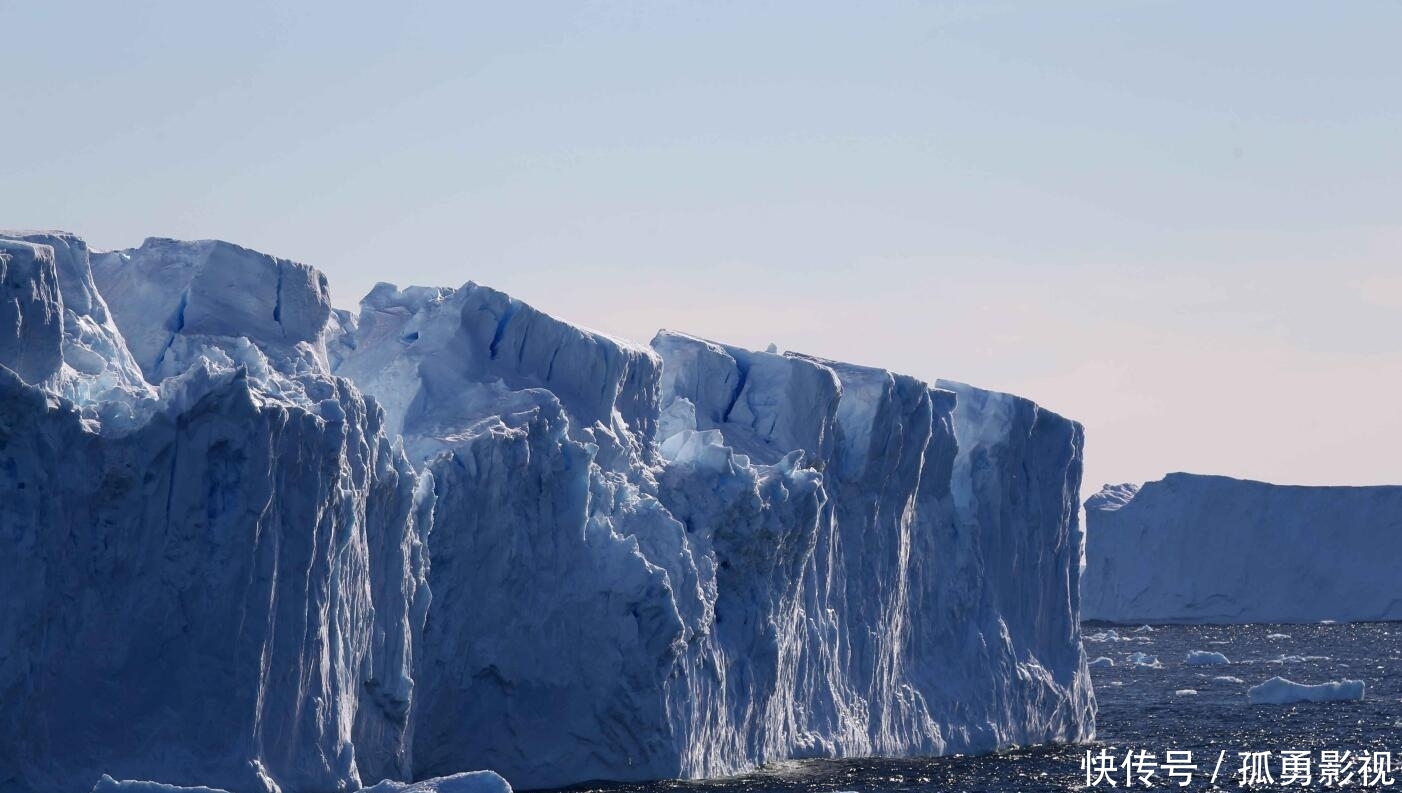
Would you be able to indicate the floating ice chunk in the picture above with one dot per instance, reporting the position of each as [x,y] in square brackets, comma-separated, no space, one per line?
[469,782]
[1278,636]
[1112,635]
[1206,658]
[109,785]
[1279,691]
[1186,692]
[1144,660]
[1296,659]
[1100,662]
[1143,629]
[1228,679]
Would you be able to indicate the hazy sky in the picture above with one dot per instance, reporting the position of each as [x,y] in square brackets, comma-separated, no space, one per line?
[1180,223]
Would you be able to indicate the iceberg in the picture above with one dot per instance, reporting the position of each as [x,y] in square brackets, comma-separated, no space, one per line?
[1211,549]
[1279,691]
[466,782]
[1206,658]
[1143,661]
[109,785]
[1296,659]
[258,544]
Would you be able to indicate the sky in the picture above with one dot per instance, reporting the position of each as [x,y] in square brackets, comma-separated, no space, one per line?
[1178,223]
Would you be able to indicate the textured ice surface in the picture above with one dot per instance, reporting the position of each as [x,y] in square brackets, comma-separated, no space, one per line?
[677,559]
[211,581]
[751,556]
[1194,548]
[1279,691]
[59,332]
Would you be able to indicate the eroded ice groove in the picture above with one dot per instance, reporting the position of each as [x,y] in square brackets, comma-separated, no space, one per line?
[1191,548]
[682,559]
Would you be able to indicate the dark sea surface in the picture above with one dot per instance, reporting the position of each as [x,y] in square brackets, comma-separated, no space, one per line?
[1141,709]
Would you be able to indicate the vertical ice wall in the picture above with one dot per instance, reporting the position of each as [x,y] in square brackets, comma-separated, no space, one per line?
[818,559]
[681,559]
[213,582]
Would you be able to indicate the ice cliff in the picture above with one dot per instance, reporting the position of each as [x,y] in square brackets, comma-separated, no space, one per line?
[1192,548]
[212,577]
[254,543]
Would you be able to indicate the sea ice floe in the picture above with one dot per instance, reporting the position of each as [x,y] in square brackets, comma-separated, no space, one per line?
[1279,691]
[109,785]
[468,782]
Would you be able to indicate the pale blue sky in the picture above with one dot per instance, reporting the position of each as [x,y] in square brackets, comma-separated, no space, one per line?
[1176,222]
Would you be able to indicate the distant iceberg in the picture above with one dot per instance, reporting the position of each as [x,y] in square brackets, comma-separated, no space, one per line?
[1212,549]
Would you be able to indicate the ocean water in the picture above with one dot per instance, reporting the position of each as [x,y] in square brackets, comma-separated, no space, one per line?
[1141,709]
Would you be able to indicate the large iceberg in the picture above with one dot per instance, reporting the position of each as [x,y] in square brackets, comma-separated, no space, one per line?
[255,543]
[1192,548]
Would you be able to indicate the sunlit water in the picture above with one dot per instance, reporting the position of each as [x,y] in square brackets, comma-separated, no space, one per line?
[1141,709]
